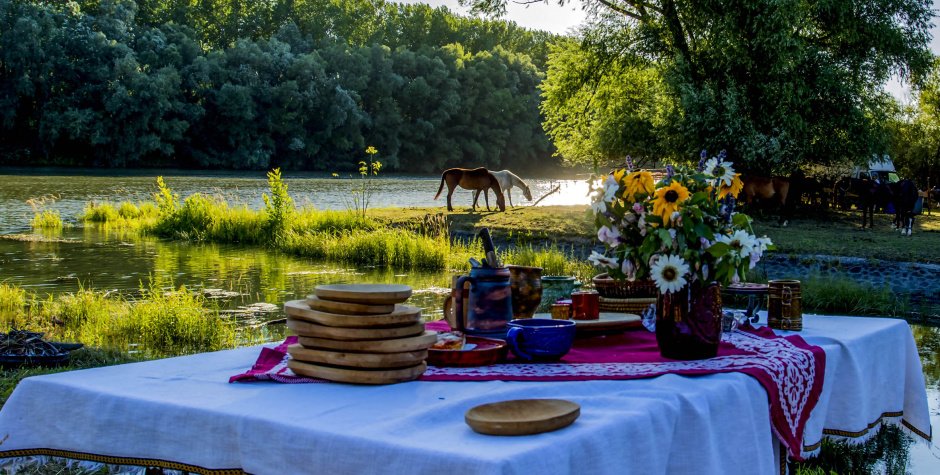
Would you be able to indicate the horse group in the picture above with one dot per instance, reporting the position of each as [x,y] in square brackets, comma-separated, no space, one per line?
[482,180]
[901,195]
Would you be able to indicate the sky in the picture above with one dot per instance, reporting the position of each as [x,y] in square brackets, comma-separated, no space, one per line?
[560,20]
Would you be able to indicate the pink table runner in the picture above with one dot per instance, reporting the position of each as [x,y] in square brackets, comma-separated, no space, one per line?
[789,369]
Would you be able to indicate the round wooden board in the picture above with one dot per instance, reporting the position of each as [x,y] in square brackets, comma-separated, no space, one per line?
[305,328]
[610,321]
[357,360]
[369,294]
[398,345]
[358,376]
[346,308]
[402,316]
[522,416]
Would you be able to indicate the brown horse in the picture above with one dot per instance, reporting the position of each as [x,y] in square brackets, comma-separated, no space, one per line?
[477,179]
[775,189]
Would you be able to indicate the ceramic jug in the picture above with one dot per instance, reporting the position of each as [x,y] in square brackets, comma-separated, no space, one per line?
[490,302]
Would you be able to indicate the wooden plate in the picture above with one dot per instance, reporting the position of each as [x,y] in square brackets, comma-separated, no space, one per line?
[608,322]
[346,308]
[369,294]
[398,345]
[357,360]
[522,416]
[358,376]
[402,316]
[488,351]
[316,330]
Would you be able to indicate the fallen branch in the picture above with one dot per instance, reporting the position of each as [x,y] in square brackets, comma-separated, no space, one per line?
[546,195]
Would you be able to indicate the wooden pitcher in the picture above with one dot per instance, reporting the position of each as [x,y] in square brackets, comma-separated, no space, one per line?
[785,307]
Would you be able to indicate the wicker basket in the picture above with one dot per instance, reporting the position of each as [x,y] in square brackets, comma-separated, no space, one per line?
[635,306]
[612,289]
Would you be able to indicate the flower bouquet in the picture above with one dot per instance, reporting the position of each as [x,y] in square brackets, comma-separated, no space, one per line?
[682,233]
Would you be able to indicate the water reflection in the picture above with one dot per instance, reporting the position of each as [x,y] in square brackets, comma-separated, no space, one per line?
[69,260]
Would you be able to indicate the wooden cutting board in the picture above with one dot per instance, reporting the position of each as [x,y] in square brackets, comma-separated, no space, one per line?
[369,294]
[522,416]
[316,330]
[402,316]
[398,345]
[346,308]
[358,376]
[357,360]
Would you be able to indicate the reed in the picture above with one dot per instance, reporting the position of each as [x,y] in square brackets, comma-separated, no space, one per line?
[47,219]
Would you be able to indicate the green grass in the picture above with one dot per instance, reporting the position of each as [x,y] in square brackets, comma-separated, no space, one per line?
[47,219]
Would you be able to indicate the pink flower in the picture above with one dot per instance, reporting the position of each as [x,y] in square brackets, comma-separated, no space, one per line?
[609,236]
[637,208]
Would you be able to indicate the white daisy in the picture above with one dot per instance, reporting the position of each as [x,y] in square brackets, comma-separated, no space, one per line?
[669,273]
[602,260]
[741,242]
[609,236]
[720,170]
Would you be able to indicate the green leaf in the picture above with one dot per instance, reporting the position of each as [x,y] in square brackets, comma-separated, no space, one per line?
[703,231]
[718,249]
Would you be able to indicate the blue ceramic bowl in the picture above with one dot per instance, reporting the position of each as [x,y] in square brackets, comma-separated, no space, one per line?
[540,339]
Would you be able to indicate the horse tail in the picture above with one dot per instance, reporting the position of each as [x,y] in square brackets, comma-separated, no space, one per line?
[439,190]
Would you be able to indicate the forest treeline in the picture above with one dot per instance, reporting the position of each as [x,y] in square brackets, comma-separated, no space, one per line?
[296,84]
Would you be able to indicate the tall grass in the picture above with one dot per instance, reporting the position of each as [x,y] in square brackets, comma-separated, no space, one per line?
[160,323]
[845,296]
[47,219]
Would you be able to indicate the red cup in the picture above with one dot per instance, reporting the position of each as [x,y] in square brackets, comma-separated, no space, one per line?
[586,305]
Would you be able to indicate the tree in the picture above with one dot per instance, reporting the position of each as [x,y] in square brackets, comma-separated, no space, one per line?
[778,84]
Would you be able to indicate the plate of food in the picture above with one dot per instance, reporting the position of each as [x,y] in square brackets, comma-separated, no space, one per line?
[456,349]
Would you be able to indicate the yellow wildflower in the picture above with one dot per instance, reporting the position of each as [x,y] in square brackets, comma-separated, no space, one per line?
[668,199]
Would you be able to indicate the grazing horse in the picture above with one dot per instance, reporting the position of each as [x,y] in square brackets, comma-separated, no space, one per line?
[904,199]
[477,179]
[756,187]
[507,180]
[870,195]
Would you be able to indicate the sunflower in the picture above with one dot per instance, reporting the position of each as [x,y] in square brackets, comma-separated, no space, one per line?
[736,186]
[618,175]
[668,199]
[638,182]
[669,273]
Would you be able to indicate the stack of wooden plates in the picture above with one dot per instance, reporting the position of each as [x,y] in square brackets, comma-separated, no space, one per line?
[358,333]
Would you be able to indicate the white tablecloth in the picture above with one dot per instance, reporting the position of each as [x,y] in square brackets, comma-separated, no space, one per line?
[183,410]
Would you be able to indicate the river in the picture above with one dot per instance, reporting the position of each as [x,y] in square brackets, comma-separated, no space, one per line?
[239,277]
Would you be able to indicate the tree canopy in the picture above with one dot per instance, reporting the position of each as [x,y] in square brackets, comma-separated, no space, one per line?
[778,84]
[96,85]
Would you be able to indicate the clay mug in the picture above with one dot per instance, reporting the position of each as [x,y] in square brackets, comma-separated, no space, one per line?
[489,304]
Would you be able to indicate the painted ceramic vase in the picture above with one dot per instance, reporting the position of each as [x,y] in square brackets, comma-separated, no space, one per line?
[689,321]
[526,286]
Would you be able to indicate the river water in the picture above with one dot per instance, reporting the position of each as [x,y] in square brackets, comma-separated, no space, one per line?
[239,277]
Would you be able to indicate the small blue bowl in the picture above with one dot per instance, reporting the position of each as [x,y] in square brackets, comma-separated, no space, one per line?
[540,339]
